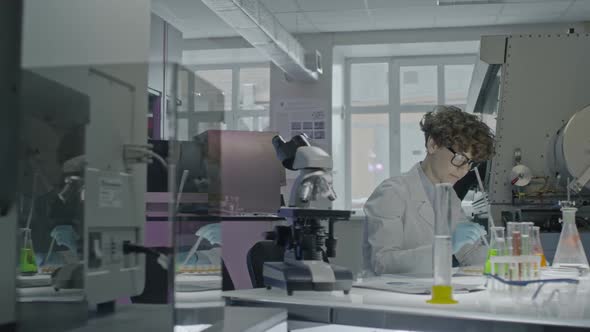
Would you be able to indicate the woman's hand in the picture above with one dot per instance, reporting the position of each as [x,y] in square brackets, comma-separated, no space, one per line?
[466,233]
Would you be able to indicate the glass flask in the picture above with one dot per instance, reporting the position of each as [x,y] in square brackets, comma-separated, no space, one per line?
[537,247]
[570,252]
[27,261]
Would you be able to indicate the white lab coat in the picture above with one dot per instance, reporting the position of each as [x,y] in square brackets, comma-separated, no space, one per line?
[399,228]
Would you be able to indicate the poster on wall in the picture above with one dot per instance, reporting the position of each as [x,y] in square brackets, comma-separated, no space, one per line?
[307,116]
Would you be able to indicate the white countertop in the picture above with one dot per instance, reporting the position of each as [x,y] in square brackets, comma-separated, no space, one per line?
[562,311]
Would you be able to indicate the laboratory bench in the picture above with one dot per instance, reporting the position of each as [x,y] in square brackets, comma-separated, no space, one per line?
[476,311]
[159,317]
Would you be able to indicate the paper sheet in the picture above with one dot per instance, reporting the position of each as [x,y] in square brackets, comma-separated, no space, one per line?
[409,284]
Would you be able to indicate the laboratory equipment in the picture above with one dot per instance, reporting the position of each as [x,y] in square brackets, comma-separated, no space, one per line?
[570,251]
[308,246]
[526,250]
[28,262]
[225,165]
[81,180]
[497,248]
[537,246]
[442,290]
[516,90]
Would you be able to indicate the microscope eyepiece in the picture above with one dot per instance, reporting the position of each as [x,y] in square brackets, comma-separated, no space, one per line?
[286,150]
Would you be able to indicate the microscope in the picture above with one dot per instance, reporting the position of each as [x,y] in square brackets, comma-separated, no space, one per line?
[307,245]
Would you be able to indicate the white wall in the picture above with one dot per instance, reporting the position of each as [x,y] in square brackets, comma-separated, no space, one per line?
[282,90]
[73,32]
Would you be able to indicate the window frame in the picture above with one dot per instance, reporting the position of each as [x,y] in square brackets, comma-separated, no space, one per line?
[232,116]
[394,109]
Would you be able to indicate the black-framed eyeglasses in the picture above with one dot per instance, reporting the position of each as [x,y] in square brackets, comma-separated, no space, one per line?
[460,160]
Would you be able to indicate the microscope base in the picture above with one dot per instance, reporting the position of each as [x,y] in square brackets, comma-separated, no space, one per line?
[299,277]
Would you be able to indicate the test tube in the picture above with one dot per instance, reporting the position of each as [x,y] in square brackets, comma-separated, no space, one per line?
[497,248]
[526,248]
[513,238]
[442,289]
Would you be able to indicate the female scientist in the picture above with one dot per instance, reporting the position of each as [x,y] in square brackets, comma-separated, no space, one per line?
[399,231]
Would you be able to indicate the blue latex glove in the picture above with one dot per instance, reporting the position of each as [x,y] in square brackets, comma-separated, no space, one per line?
[211,232]
[467,233]
[65,235]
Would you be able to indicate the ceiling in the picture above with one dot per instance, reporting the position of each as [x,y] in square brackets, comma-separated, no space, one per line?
[196,20]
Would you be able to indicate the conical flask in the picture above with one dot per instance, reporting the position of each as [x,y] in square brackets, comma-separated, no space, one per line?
[28,263]
[570,251]
[537,247]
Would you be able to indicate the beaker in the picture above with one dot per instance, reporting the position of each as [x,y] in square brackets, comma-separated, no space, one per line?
[570,251]
[537,247]
[442,253]
[28,263]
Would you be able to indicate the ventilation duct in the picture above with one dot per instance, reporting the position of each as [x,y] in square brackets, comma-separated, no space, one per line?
[259,27]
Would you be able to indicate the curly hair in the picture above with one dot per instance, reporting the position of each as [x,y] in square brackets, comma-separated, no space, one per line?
[448,126]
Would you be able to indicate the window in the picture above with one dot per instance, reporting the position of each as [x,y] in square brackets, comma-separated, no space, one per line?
[254,88]
[213,90]
[370,85]
[370,154]
[386,99]
[418,85]
[233,97]
[457,79]
[412,145]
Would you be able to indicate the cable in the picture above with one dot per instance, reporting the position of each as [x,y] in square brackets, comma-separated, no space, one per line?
[138,249]
[146,151]
[181,187]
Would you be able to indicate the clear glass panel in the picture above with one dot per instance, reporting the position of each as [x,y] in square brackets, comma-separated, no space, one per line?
[204,126]
[254,88]
[412,140]
[369,84]
[58,138]
[418,85]
[245,123]
[184,93]
[182,128]
[213,90]
[263,123]
[369,160]
[457,80]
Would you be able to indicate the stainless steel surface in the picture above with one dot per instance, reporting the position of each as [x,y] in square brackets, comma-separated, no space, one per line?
[537,88]
[541,88]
